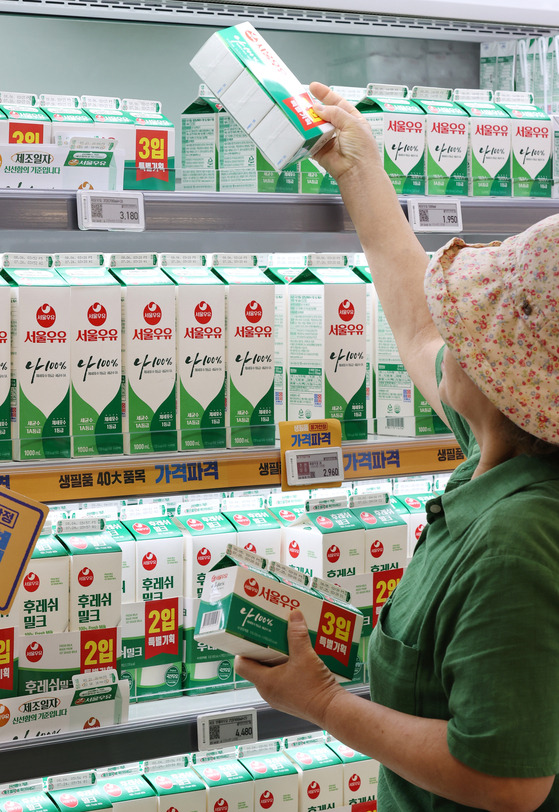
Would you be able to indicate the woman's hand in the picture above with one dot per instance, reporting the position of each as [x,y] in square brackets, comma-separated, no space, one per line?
[303,686]
[353,147]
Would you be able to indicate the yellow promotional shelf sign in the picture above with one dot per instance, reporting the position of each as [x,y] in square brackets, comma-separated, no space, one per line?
[311,454]
[21,520]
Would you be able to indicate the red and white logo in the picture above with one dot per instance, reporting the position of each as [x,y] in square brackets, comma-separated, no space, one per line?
[240,519]
[68,800]
[85,577]
[377,548]
[202,313]
[253,312]
[221,805]
[294,549]
[113,789]
[324,521]
[266,799]
[212,774]
[149,561]
[418,531]
[4,715]
[354,782]
[251,587]
[258,767]
[344,750]
[152,313]
[31,582]
[12,806]
[368,518]
[203,557]
[195,524]
[287,515]
[46,315]
[304,758]
[78,543]
[34,652]
[163,782]
[313,790]
[250,547]
[346,310]
[333,554]
[143,529]
[96,314]
[413,503]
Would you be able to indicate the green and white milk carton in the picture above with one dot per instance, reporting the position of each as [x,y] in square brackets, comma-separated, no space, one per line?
[275,776]
[360,773]
[386,532]
[200,332]
[489,144]
[27,799]
[148,353]
[149,162]
[398,125]
[159,556]
[326,543]
[126,542]
[26,123]
[206,533]
[96,353]
[506,55]
[257,531]
[229,786]
[79,792]
[177,787]
[41,328]
[260,91]
[249,350]
[358,263]
[199,137]
[44,594]
[5,371]
[68,119]
[327,345]
[286,509]
[532,142]
[126,788]
[446,144]
[487,65]
[206,669]
[321,772]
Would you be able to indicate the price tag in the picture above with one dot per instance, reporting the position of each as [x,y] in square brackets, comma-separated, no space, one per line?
[315,466]
[110,211]
[435,215]
[227,728]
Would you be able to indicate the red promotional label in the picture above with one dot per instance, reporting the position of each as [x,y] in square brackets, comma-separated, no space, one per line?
[25,133]
[335,632]
[98,648]
[364,806]
[6,659]
[301,105]
[384,584]
[152,152]
[162,628]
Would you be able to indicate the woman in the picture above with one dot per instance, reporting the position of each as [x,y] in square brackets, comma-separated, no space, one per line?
[464,661]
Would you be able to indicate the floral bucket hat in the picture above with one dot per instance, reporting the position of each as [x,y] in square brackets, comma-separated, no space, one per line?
[497,308]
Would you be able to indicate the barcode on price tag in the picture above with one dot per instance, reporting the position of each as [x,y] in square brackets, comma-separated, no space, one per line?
[110,211]
[435,215]
[226,728]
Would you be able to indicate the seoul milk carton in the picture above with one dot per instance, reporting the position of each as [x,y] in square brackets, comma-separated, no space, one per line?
[32,800]
[489,144]
[79,797]
[360,267]
[96,351]
[386,532]
[159,557]
[327,345]
[229,786]
[125,540]
[95,580]
[44,594]
[199,134]
[127,789]
[264,96]
[68,119]
[321,773]
[200,331]
[532,139]
[398,125]
[326,543]
[446,150]
[178,788]
[25,123]
[257,531]
[206,669]
[150,163]
[206,534]
[275,776]
[360,773]
[5,371]
[111,122]
[148,354]
[249,350]
[48,662]
[286,509]
[41,329]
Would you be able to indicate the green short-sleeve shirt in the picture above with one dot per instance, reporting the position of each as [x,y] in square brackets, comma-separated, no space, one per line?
[471,634]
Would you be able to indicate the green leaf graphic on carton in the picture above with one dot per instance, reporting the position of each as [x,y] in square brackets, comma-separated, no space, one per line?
[213,433]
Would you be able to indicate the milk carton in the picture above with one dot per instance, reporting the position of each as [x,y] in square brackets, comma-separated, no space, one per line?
[275,776]
[40,303]
[327,544]
[68,119]
[206,536]
[531,145]
[489,144]
[361,268]
[286,509]
[127,789]
[360,773]
[125,540]
[96,352]
[43,598]
[159,557]
[25,123]
[30,801]
[487,65]
[386,533]
[239,66]
[257,531]
[5,371]
[177,789]
[95,580]
[150,164]
[412,506]
[398,125]
[200,332]
[110,121]
[199,134]
[321,776]
[249,348]
[327,345]
[207,669]
[506,54]
[230,787]
[446,141]
[148,354]
[80,798]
